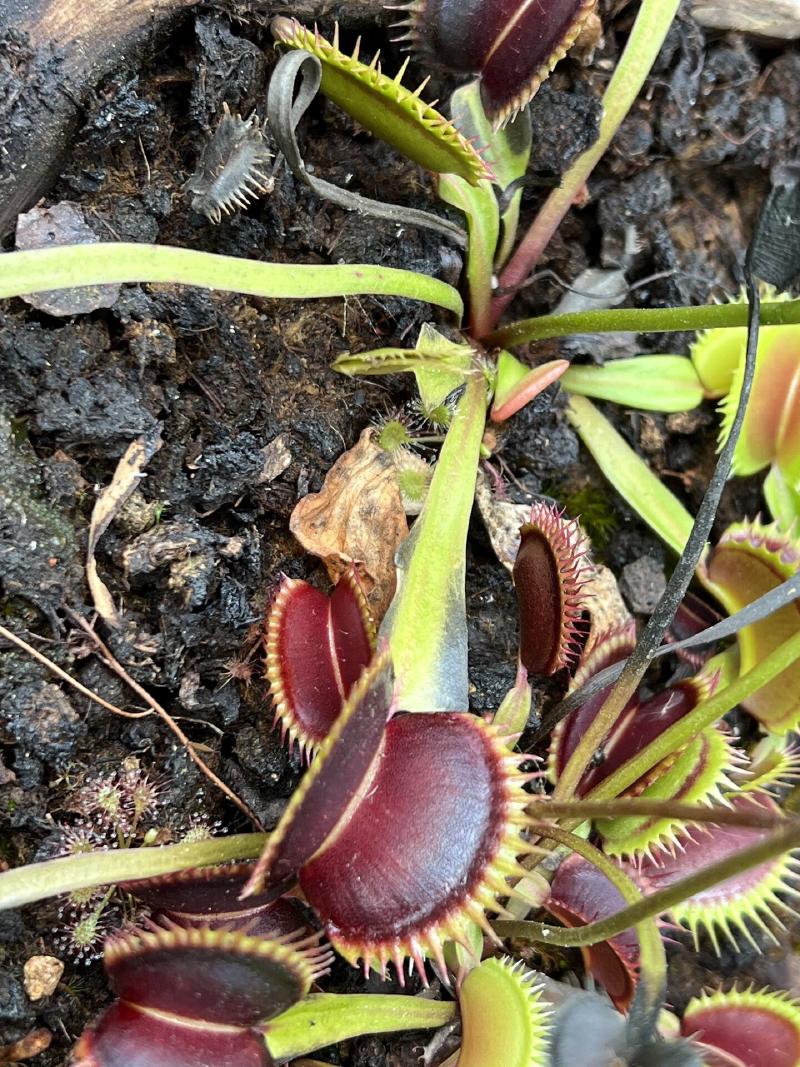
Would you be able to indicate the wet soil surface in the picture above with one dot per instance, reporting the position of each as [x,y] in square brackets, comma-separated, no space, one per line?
[193,556]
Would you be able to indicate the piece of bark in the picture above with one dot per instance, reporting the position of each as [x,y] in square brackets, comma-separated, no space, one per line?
[53,53]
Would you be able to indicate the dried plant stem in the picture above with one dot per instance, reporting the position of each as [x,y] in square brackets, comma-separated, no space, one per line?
[679,581]
[113,664]
[630,806]
[8,635]
[648,33]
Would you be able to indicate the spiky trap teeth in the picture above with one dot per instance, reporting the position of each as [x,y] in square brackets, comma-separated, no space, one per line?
[384,106]
[549,585]
[230,173]
[739,907]
[512,44]
[748,1027]
[211,896]
[700,772]
[317,647]
[503,1020]
[437,836]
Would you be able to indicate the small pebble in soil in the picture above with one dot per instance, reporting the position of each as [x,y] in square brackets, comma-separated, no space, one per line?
[642,584]
[41,975]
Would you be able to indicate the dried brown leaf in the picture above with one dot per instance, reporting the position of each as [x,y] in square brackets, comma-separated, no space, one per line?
[126,478]
[357,517]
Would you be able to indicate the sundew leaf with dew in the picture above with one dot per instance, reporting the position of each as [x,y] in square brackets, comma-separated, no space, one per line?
[384,106]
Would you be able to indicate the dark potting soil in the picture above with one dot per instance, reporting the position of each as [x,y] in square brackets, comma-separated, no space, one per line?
[196,552]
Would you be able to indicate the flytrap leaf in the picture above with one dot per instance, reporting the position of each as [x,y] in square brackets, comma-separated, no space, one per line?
[503,1020]
[582,894]
[124,1035]
[295,82]
[317,647]
[193,995]
[231,172]
[650,383]
[512,45]
[746,904]
[630,475]
[751,559]
[771,429]
[211,896]
[506,151]
[479,205]
[439,365]
[328,1018]
[698,772]
[75,265]
[426,625]
[215,976]
[549,587]
[436,835]
[782,499]
[747,1027]
[384,106]
[343,762]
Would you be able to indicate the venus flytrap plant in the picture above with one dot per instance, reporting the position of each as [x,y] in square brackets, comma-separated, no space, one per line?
[430,799]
